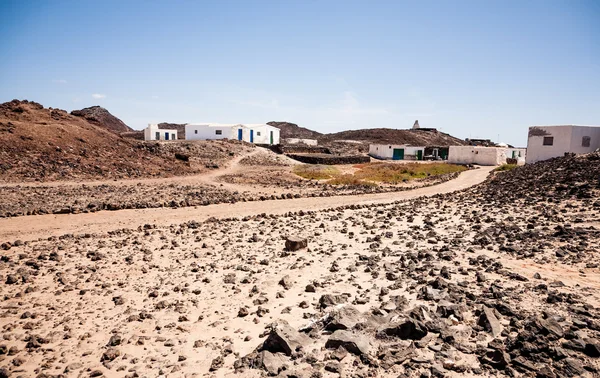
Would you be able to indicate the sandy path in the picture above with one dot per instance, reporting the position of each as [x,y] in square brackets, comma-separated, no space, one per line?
[43,226]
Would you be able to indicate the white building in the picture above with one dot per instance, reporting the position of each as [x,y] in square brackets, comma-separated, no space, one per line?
[482,155]
[546,142]
[152,132]
[396,152]
[252,133]
[308,142]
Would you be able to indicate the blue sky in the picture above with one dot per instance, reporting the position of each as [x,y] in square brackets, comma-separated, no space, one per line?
[470,68]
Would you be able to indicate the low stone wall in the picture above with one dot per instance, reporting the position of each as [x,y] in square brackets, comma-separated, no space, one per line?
[330,159]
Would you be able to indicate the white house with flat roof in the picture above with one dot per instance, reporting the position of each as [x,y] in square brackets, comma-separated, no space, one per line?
[546,142]
[396,152]
[252,133]
[152,132]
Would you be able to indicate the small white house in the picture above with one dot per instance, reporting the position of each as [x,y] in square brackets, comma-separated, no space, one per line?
[482,155]
[152,132]
[396,152]
[546,142]
[252,133]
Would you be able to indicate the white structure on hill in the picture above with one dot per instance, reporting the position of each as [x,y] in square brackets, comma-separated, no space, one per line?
[416,125]
[152,132]
[396,152]
[252,133]
[546,142]
[482,155]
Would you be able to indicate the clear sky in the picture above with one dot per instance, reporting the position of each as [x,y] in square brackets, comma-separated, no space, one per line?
[470,68]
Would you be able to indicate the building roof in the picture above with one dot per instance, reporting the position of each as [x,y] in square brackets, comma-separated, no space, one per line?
[243,125]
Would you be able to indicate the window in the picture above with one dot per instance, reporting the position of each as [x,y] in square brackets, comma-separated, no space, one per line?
[157,135]
[258,133]
[219,132]
[172,136]
[195,131]
[390,146]
[585,141]
[548,141]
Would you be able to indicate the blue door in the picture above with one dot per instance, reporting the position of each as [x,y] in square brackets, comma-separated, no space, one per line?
[251,136]
[166,136]
[240,134]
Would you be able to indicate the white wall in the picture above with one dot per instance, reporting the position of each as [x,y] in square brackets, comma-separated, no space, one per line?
[566,139]
[199,131]
[308,142]
[152,129]
[386,151]
[578,132]
[473,155]
[261,133]
[483,155]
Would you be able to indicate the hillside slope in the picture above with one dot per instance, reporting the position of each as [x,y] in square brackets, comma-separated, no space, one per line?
[38,143]
[291,130]
[422,137]
[395,136]
[102,117]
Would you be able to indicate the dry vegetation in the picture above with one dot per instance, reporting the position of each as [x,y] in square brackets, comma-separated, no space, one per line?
[506,167]
[316,172]
[392,173]
[372,173]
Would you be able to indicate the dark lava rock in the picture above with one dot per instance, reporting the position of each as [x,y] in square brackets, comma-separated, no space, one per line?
[284,339]
[406,329]
[293,243]
[350,341]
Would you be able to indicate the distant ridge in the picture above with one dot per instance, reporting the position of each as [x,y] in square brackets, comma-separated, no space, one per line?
[102,117]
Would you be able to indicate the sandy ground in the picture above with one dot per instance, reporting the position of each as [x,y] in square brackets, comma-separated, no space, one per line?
[168,299]
[42,226]
[442,281]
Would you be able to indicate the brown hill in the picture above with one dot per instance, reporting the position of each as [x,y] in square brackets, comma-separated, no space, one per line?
[38,143]
[291,130]
[102,117]
[418,137]
[429,137]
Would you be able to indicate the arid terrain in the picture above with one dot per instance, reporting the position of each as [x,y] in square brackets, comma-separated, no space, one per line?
[499,278]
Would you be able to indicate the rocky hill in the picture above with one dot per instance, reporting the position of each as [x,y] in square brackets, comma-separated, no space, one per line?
[419,137]
[102,117]
[38,143]
[291,130]
[560,178]
[429,137]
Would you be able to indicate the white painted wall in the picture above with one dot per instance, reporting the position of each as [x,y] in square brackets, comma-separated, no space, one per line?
[152,129]
[483,155]
[308,142]
[261,133]
[567,138]
[207,131]
[386,151]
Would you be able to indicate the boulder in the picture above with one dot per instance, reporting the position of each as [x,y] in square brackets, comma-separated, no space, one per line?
[344,318]
[406,329]
[490,322]
[284,339]
[350,341]
[293,243]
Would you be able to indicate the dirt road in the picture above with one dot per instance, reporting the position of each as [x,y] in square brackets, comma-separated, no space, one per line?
[43,226]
